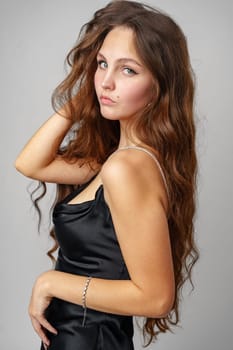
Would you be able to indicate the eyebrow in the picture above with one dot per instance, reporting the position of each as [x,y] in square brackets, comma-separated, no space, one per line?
[122,60]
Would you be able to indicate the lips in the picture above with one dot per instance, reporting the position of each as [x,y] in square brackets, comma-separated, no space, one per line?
[106,100]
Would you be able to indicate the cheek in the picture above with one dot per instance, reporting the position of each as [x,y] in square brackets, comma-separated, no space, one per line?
[137,95]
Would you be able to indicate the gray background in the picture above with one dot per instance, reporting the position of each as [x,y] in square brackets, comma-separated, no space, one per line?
[35,37]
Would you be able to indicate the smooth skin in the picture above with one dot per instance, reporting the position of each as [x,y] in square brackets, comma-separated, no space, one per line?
[133,189]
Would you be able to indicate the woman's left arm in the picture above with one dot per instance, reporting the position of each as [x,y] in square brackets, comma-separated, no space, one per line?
[140,222]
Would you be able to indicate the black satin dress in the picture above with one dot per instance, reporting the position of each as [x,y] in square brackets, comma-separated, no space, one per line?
[88,247]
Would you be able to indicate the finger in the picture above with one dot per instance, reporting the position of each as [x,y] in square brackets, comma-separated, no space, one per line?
[40,331]
[47,325]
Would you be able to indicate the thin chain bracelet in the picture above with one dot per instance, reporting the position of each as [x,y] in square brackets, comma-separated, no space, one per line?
[84,295]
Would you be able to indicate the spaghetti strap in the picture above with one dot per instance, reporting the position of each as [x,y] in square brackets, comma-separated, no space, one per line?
[152,156]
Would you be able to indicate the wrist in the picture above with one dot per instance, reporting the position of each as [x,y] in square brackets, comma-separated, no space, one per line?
[64,116]
[44,283]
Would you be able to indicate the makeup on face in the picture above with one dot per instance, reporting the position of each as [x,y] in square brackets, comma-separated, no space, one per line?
[123,84]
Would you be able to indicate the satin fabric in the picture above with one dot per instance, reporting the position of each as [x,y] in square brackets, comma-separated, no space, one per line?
[88,247]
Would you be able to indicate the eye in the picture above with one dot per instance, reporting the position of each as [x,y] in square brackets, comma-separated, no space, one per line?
[102,64]
[129,71]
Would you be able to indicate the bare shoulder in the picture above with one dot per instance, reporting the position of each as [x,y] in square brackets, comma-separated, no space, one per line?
[135,175]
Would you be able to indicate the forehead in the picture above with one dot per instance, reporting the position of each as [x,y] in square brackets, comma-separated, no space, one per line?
[120,42]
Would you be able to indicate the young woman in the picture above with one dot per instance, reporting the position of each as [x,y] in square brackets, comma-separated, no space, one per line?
[123,217]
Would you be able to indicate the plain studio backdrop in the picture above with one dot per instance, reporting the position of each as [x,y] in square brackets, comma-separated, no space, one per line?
[35,37]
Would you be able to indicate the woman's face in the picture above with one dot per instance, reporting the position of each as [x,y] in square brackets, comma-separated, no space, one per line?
[124,86]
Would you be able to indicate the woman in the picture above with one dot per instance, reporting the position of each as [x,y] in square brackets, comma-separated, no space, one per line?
[123,217]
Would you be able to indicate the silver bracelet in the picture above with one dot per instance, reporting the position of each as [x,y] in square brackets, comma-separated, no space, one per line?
[85,292]
[84,305]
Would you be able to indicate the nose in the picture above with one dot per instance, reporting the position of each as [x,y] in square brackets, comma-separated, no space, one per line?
[108,82]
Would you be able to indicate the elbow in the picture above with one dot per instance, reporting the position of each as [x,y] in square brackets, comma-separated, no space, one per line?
[17,165]
[21,168]
[161,309]
[158,307]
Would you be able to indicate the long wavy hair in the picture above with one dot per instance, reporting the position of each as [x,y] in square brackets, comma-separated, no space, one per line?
[167,125]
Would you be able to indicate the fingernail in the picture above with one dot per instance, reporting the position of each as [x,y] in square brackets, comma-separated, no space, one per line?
[45,346]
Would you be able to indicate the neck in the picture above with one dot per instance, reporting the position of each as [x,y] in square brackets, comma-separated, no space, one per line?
[127,136]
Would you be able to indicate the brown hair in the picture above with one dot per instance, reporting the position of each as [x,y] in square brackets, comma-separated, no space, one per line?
[167,124]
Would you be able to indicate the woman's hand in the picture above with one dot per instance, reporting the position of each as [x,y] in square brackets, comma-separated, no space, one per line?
[40,300]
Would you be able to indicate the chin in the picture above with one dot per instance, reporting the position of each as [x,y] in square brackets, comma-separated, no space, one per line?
[109,116]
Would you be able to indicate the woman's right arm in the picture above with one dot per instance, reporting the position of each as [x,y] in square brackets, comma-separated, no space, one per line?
[39,160]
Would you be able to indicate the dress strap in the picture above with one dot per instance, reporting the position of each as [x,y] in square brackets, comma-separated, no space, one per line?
[152,156]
